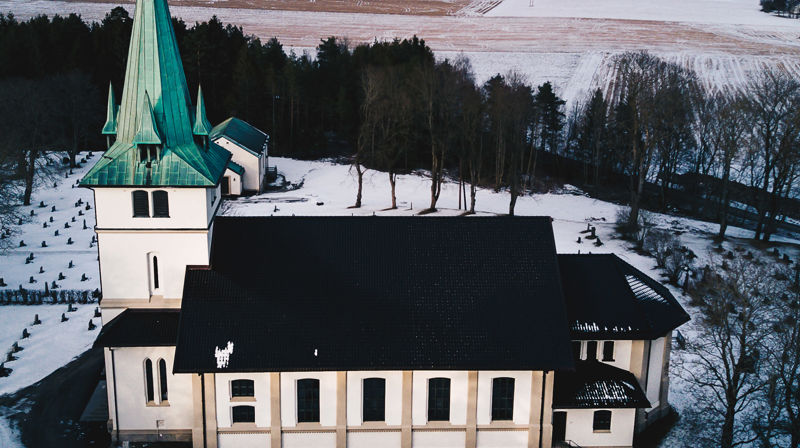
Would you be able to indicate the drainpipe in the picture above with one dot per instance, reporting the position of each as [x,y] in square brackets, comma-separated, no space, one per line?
[114,381]
[541,412]
[203,404]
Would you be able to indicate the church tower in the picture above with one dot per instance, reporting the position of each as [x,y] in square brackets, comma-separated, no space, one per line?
[156,188]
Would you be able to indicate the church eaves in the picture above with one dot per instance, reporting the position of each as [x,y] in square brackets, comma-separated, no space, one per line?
[154,70]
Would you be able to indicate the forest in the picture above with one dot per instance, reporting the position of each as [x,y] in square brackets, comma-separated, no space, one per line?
[655,138]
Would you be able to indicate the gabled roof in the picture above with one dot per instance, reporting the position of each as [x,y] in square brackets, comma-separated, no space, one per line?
[147,131]
[383,293]
[594,384]
[140,328]
[607,298]
[247,136]
[154,67]
[235,167]
[110,128]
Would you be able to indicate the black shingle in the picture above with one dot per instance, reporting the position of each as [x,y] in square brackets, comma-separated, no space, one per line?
[140,328]
[594,384]
[607,298]
[376,293]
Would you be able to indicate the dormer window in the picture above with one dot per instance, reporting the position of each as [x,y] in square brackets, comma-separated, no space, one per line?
[148,153]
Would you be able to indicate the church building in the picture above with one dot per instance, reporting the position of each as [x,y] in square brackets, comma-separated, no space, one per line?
[336,332]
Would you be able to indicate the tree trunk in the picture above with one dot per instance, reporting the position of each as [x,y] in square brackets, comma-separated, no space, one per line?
[393,182]
[723,217]
[360,185]
[30,171]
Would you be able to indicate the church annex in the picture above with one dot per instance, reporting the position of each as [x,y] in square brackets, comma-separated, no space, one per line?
[340,331]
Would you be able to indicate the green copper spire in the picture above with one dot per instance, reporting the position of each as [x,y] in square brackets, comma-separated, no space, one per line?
[110,127]
[201,124]
[147,133]
[156,106]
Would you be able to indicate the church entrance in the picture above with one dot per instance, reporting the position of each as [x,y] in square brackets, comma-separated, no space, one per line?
[559,427]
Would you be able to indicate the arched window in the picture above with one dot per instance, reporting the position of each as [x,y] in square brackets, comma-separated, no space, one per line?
[308,400]
[591,350]
[608,351]
[162,376]
[155,273]
[439,399]
[602,421]
[503,399]
[374,406]
[148,381]
[242,388]
[160,204]
[141,206]
[244,414]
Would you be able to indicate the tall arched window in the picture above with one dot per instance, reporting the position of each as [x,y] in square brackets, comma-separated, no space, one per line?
[141,205]
[602,421]
[148,381]
[160,204]
[439,399]
[308,400]
[155,273]
[503,399]
[374,406]
[162,376]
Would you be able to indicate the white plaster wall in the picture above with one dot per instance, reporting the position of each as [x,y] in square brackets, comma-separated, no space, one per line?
[125,264]
[225,403]
[235,182]
[622,353]
[327,397]
[394,396]
[213,198]
[458,396]
[309,440]
[240,440]
[373,439]
[579,427]
[108,314]
[133,410]
[654,371]
[522,395]
[438,439]
[252,164]
[188,209]
[502,439]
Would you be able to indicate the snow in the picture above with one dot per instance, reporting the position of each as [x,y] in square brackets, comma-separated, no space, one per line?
[55,258]
[50,345]
[223,355]
[738,12]
[9,437]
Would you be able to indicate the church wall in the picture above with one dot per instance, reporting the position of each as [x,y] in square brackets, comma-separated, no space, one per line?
[309,440]
[135,414]
[622,352]
[502,439]
[580,431]
[369,439]
[458,395]
[438,439]
[260,400]
[125,263]
[188,209]
[654,371]
[522,393]
[243,440]
[251,180]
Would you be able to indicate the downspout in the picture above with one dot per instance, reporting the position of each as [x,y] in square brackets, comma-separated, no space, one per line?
[541,411]
[114,381]
[203,404]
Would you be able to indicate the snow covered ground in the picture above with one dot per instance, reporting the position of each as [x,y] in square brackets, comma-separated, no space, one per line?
[59,191]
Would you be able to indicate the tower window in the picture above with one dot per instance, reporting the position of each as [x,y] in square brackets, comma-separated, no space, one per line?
[148,381]
[439,399]
[503,399]
[244,414]
[155,273]
[148,153]
[591,350]
[602,421]
[374,399]
[308,400]
[242,388]
[160,204]
[141,206]
[162,376]
[608,351]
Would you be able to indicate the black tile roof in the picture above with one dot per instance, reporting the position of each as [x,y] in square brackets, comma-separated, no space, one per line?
[140,328]
[607,298]
[385,293]
[594,384]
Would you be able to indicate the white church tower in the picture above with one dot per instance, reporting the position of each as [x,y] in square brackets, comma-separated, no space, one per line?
[157,187]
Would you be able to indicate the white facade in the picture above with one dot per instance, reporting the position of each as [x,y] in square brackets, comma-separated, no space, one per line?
[255,166]
[580,427]
[234,182]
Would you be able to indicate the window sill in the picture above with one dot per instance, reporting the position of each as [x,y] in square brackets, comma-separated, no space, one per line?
[244,425]
[308,425]
[153,404]
[242,399]
[602,431]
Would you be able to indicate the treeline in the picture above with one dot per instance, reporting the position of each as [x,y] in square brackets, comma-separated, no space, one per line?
[393,106]
[786,8]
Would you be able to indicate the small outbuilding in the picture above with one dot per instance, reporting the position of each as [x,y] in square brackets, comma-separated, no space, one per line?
[247,171]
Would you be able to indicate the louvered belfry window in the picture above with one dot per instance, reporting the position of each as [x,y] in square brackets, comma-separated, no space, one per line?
[141,206]
[160,204]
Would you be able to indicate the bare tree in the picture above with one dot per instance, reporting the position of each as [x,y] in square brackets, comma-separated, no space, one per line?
[727,130]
